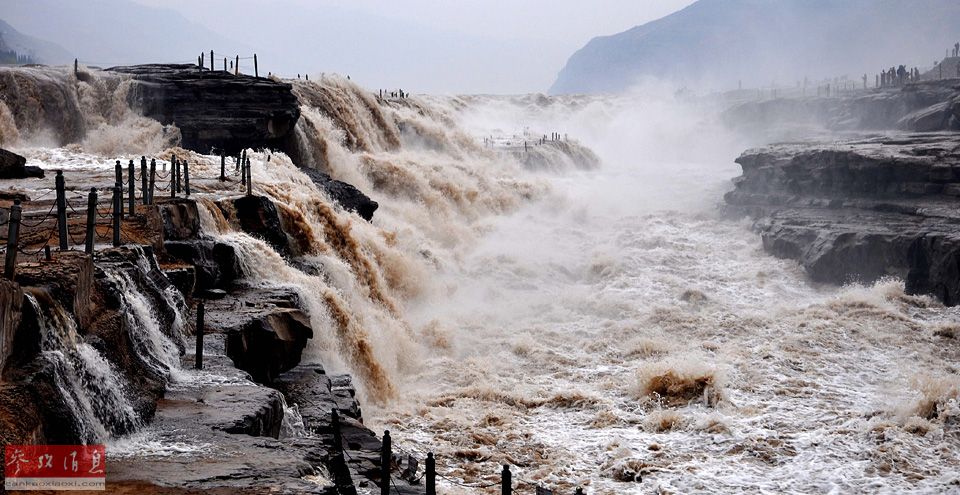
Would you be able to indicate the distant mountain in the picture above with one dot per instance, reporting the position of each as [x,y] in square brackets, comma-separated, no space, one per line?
[716,43]
[14,44]
[117,32]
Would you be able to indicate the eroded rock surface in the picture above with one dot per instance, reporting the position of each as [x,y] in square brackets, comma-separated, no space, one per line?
[921,107]
[860,210]
[214,109]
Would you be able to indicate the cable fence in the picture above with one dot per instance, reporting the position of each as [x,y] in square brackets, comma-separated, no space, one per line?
[22,228]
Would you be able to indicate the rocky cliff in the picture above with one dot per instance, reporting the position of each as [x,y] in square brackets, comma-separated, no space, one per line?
[922,107]
[860,210]
[214,109]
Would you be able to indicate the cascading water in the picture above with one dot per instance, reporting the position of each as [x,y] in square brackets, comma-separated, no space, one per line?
[154,347]
[92,389]
[597,327]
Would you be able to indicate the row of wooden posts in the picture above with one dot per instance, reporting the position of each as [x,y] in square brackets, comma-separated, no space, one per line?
[179,182]
[430,471]
[201,63]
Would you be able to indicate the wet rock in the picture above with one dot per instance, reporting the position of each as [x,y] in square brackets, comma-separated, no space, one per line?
[346,195]
[20,422]
[69,279]
[14,166]
[184,278]
[859,210]
[215,264]
[270,343]
[316,396]
[214,109]
[258,216]
[265,329]
[934,261]
[181,220]
[234,428]
[11,300]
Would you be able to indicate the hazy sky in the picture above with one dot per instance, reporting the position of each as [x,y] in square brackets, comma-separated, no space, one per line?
[448,46]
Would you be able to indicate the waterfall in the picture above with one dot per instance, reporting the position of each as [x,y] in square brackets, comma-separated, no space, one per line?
[88,383]
[154,348]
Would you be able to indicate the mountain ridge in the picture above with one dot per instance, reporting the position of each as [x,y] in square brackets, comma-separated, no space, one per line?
[720,43]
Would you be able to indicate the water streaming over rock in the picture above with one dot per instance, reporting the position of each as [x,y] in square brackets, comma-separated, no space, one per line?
[591,327]
[93,391]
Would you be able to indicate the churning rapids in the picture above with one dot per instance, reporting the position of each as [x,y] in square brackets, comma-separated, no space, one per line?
[602,327]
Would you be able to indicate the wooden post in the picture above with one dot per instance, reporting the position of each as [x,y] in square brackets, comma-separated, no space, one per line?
[173,177]
[186,177]
[119,174]
[46,253]
[153,179]
[199,363]
[236,66]
[431,474]
[249,179]
[76,67]
[256,71]
[131,180]
[202,62]
[117,212]
[144,196]
[211,60]
[385,459]
[91,220]
[13,240]
[176,175]
[61,210]
[224,64]
[223,167]
[506,481]
[243,169]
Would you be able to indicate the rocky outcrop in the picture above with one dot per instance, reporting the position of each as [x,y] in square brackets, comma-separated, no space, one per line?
[346,195]
[70,281]
[923,107]
[860,210]
[181,220]
[258,216]
[215,264]
[266,331]
[214,109]
[14,166]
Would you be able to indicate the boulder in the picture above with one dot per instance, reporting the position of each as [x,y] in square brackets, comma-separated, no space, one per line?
[346,195]
[181,220]
[266,331]
[258,216]
[14,166]
[215,264]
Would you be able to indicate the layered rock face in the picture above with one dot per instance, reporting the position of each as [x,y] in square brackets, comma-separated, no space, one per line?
[860,210]
[214,109]
[923,107]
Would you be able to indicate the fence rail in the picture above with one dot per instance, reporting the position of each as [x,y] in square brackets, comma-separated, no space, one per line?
[29,226]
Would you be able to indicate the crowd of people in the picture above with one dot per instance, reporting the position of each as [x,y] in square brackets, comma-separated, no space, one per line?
[897,76]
